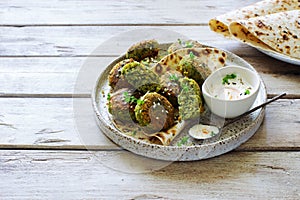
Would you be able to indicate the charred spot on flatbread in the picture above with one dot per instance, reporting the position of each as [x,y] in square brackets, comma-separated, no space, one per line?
[222,60]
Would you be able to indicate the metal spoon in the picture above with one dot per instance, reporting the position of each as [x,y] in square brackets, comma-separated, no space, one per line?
[205,131]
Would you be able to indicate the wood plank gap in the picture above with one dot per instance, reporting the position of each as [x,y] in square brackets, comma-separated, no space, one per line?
[45,95]
[97,56]
[269,149]
[97,148]
[56,56]
[103,24]
[60,148]
[87,95]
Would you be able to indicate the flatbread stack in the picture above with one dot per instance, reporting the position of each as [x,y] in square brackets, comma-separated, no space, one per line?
[270,25]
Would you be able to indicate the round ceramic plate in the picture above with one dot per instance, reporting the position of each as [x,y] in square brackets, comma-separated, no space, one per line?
[281,57]
[230,138]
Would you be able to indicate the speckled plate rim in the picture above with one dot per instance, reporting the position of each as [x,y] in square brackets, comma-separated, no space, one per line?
[174,153]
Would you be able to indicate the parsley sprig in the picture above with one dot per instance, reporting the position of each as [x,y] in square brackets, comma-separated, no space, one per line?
[132,99]
[183,141]
[173,77]
[179,41]
[185,44]
[185,87]
[188,45]
[192,56]
[227,77]
[247,92]
[108,96]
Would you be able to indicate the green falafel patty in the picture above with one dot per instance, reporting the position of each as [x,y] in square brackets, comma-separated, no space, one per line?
[179,44]
[144,49]
[156,113]
[140,77]
[191,67]
[189,99]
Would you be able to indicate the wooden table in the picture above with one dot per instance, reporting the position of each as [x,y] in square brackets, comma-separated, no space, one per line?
[43,45]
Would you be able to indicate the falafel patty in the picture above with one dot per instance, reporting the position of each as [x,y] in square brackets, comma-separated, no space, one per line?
[189,99]
[191,67]
[144,49]
[140,77]
[184,44]
[156,113]
[121,106]
[115,79]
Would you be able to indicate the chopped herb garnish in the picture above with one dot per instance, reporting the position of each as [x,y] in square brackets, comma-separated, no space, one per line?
[140,102]
[247,92]
[108,97]
[179,41]
[173,77]
[227,77]
[183,141]
[192,56]
[188,45]
[185,87]
[132,99]
[133,133]
[128,98]
[213,134]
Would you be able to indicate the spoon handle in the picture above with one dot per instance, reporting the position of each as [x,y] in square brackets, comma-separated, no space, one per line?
[255,108]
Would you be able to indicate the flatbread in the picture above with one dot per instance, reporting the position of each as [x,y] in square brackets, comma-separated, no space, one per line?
[166,137]
[210,57]
[160,138]
[279,32]
[220,23]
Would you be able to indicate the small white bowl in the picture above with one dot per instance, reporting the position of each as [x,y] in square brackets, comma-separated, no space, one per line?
[230,108]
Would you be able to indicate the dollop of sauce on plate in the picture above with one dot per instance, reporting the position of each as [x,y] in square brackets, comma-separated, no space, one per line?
[201,131]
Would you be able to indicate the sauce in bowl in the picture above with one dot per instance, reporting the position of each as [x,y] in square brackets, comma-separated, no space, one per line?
[230,91]
[231,87]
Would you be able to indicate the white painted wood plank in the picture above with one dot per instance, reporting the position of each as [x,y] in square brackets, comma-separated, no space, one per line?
[31,122]
[58,76]
[111,40]
[89,175]
[20,12]
[50,123]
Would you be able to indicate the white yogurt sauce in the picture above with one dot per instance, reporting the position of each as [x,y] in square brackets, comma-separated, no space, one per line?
[231,87]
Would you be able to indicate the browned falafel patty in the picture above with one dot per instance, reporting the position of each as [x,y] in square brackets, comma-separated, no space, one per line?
[115,77]
[156,113]
[122,103]
[144,49]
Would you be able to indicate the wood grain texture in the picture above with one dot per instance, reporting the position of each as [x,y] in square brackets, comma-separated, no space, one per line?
[51,123]
[86,175]
[66,12]
[61,77]
[44,138]
[112,40]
